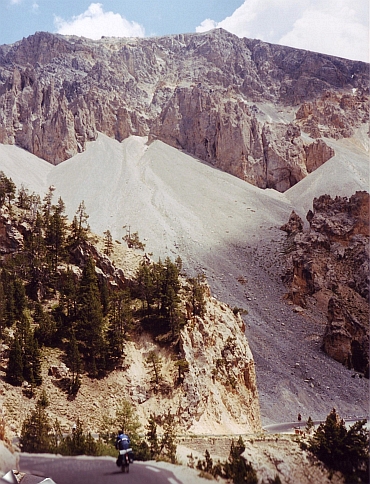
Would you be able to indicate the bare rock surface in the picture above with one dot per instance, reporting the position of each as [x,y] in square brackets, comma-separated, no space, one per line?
[202,93]
[331,263]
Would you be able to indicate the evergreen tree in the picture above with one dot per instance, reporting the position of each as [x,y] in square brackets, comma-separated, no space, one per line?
[237,468]
[343,450]
[56,235]
[36,431]
[23,198]
[197,291]
[154,363]
[126,419]
[7,189]
[35,249]
[14,371]
[108,243]
[80,226]
[32,360]
[182,367]
[168,441]
[45,333]
[152,437]
[120,322]
[46,208]
[74,362]
[90,322]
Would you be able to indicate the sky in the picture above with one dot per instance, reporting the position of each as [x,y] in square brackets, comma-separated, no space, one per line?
[335,27]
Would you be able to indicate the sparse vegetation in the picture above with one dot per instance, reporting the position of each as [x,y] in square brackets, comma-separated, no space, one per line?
[236,468]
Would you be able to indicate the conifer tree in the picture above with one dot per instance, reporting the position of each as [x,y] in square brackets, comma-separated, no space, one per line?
[152,437]
[168,441]
[74,362]
[108,243]
[154,363]
[7,189]
[237,468]
[89,325]
[340,449]
[56,235]
[120,322]
[46,208]
[36,431]
[14,371]
[126,419]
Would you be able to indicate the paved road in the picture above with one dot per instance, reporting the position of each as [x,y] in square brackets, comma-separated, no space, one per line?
[85,470]
[288,427]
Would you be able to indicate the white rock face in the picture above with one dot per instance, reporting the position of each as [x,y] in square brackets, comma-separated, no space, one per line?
[220,387]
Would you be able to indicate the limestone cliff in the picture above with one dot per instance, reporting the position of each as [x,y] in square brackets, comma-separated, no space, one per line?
[331,263]
[209,94]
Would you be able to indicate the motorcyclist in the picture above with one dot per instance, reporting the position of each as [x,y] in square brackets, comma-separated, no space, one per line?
[123,443]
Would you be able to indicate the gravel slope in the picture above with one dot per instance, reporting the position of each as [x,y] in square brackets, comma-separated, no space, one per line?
[227,229]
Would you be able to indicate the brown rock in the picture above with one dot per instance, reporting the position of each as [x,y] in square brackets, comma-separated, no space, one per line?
[331,263]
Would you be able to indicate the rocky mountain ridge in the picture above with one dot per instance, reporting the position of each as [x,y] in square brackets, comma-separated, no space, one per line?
[203,93]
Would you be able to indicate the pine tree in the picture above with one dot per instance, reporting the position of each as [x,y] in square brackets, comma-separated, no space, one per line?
[168,441]
[343,450]
[46,208]
[36,431]
[152,437]
[89,324]
[197,291]
[14,371]
[7,189]
[154,363]
[74,362]
[120,322]
[108,243]
[126,419]
[56,235]
[237,468]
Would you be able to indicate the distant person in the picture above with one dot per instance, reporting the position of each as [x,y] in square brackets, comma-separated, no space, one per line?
[299,417]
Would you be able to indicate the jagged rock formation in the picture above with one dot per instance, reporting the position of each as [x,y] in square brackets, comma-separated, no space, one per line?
[331,263]
[203,93]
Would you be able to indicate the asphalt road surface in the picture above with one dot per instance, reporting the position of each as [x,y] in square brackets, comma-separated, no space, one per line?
[96,470]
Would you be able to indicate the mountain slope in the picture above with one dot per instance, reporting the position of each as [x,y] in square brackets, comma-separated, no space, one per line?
[227,229]
[239,104]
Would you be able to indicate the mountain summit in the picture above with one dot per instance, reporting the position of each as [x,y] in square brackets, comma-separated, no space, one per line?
[208,94]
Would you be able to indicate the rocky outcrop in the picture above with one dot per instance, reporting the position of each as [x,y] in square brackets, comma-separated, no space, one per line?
[331,263]
[334,115]
[220,389]
[197,92]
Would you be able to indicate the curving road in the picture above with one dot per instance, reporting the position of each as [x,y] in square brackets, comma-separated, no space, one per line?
[94,470]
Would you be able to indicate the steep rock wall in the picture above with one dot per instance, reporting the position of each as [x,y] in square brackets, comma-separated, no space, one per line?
[331,263]
[195,92]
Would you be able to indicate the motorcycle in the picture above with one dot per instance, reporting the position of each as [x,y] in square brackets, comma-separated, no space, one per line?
[124,460]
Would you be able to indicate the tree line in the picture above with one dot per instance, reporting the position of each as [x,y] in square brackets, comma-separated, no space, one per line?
[46,302]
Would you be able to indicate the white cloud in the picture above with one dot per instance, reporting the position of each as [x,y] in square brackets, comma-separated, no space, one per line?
[15,2]
[95,23]
[336,27]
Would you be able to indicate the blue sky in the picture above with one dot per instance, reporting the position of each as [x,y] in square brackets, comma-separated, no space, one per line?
[337,27]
